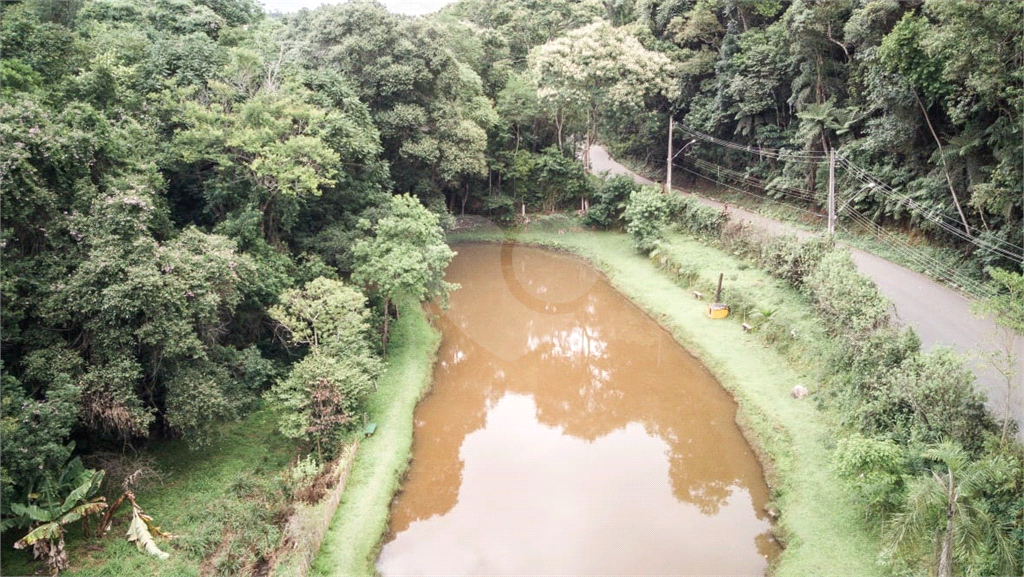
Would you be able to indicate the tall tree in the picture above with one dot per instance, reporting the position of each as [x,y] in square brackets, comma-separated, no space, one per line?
[324,391]
[406,254]
[947,505]
[596,69]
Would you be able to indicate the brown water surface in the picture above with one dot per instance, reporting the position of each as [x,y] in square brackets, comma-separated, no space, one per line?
[568,433]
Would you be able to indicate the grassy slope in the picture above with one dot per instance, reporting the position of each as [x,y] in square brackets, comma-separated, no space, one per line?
[824,529]
[195,481]
[203,495]
[354,536]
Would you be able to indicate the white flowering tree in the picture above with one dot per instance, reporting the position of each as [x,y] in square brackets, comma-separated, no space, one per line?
[596,70]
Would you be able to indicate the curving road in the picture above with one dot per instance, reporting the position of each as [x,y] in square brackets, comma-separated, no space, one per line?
[939,315]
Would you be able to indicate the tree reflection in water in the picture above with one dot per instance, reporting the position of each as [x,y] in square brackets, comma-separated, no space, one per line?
[588,365]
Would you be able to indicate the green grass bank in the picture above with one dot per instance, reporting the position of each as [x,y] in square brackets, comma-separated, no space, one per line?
[352,541]
[221,501]
[822,524]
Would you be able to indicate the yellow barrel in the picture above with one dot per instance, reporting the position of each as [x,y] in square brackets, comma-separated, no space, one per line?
[718,310]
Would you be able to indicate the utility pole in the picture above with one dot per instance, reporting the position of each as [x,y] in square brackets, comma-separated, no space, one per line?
[668,165]
[832,192]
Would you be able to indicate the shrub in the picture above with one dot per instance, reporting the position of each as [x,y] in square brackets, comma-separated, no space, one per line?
[848,302]
[790,259]
[646,217]
[549,180]
[500,207]
[698,219]
[684,275]
[608,202]
[744,240]
[937,388]
[874,468]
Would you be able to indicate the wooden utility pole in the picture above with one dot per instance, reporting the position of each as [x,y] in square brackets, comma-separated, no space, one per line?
[832,192]
[668,165]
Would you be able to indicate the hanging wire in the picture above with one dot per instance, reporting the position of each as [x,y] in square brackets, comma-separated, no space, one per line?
[999,246]
[780,154]
[746,192]
[915,256]
[944,222]
[746,179]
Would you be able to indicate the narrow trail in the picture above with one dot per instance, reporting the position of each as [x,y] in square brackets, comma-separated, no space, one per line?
[940,316]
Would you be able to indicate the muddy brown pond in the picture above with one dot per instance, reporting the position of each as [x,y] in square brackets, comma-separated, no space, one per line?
[567,433]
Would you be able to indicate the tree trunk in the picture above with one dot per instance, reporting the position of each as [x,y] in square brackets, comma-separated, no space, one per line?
[946,556]
[945,167]
[558,124]
[465,197]
[586,144]
[387,317]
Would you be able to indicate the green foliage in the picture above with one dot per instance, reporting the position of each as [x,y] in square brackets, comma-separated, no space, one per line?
[848,303]
[33,433]
[608,202]
[407,253]
[238,524]
[950,505]
[874,468]
[791,260]
[60,499]
[647,216]
[1004,306]
[173,168]
[428,105]
[596,72]
[324,392]
[695,217]
[548,180]
[931,398]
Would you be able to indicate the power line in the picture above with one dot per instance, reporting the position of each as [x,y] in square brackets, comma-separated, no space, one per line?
[917,257]
[748,193]
[907,252]
[750,180]
[943,221]
[781,154]
[1013,252]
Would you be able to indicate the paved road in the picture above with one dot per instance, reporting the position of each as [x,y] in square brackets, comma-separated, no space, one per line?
[939,315]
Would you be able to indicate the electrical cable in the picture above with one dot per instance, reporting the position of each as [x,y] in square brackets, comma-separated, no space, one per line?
[748,193]
[865,177]
[781,154]
[915,256]
[750,180]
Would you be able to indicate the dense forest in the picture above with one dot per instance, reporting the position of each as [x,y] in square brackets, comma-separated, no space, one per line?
[206,210]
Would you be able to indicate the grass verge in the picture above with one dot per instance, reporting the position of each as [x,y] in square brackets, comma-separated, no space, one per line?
[824,530]
[354,536]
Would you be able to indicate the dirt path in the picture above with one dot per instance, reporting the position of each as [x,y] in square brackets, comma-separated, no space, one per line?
[939,315]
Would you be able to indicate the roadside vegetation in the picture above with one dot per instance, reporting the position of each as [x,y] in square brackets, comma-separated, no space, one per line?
[912,422]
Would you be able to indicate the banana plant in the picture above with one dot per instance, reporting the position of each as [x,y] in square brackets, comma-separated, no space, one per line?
[140,530]
[67,499]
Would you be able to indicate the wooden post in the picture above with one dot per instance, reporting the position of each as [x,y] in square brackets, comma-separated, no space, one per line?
[718,293]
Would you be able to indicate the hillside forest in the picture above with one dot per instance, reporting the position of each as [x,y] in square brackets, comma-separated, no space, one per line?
[207,210]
